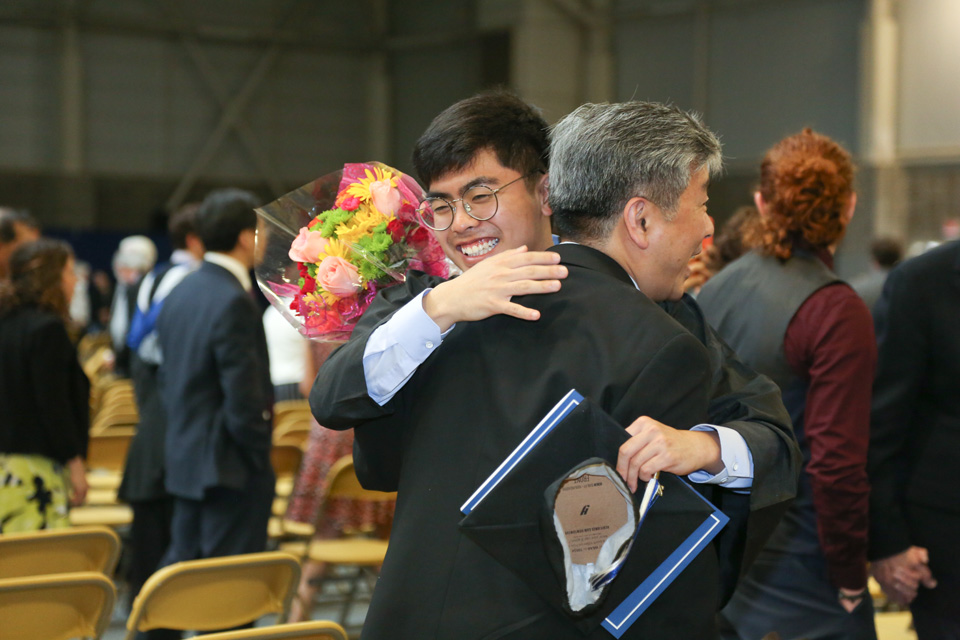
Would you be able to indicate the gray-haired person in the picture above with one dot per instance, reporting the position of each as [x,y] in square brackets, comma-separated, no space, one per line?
[465,408]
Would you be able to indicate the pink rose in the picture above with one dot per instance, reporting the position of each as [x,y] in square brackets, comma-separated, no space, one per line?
[338,276]
[307,246]
[385,197]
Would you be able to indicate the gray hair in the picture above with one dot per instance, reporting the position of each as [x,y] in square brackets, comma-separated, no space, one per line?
[604,154]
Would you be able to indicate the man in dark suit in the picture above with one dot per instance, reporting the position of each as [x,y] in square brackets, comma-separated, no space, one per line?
[215,386]
[469,403]
[915,441]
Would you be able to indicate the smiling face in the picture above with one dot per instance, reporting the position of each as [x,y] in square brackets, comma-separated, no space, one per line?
[521,218]
[673,242]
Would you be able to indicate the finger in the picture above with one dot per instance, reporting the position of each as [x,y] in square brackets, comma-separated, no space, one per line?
[546,258]
[529,287]
[629,464]
[922,555]
[640,425]
[653,465]
[541,272]
[519,311]
[926,578]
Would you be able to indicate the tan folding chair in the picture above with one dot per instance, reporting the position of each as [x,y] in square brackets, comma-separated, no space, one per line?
[116,417]
[313,630]
[216,593]
[107,515]
[59,551]
[106,456]
[285,460]
[294,429]
[287,407]
[56,607]
[362,552]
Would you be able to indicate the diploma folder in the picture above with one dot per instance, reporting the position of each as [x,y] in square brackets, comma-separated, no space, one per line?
[504,516]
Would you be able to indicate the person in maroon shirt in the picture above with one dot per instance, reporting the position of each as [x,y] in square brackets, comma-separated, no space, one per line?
[788,316]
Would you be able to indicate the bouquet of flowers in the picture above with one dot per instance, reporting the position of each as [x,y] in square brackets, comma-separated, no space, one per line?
[325,249]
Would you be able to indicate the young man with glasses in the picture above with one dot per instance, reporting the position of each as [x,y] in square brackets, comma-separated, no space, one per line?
[497,142]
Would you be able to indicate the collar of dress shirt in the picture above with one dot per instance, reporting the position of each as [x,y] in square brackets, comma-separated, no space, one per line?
[232,265]
[556,241]
[182,256]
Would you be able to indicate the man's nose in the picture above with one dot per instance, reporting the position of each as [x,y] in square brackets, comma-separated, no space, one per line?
[708,231]
[461,219]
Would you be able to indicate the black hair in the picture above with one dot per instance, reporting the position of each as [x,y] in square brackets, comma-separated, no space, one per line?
[182,223]
[496,120]
[224,214]
[8,220]
[887,252]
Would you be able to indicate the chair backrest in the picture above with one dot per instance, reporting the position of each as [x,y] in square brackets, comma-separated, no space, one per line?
[56,607]
[285,460]
[216,593]
[283,408]
[59,551]
[313,630]
[342,482]
[108,450]
[294,429]
[107,421]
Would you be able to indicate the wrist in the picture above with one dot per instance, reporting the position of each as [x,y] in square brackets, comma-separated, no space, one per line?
[434,305]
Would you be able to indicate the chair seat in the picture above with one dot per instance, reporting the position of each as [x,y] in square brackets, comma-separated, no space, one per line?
[111,516]
[103,479]
[359,551]
[97,497]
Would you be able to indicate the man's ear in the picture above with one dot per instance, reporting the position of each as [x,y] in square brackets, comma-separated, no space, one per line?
[636,218]
[760,204]
[542,192]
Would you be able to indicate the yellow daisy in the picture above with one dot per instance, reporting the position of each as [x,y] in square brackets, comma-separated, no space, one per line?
[335,248]
[361,188]
[360,225]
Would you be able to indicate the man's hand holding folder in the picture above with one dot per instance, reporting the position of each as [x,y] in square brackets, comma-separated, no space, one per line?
[656,447]
[511,516]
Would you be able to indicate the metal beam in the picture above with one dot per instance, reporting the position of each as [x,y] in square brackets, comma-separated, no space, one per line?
[233,110]
[228,120]
[71,92]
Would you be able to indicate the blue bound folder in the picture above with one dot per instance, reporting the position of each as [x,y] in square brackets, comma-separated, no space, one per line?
[504,516]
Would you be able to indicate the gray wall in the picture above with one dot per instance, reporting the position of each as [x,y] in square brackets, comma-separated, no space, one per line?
[757,71]
[144,109]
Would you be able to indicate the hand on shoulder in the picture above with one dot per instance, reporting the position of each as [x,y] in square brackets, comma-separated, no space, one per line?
[486,289]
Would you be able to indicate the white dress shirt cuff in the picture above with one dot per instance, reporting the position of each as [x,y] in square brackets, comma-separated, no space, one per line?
[737,460]
[397,347]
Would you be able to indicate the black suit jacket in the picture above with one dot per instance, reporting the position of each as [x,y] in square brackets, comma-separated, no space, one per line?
[915,420]
[215,384]
[470,404]
[44,394]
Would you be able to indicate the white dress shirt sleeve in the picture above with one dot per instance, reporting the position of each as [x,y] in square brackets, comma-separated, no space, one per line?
[397,347]
[737,459]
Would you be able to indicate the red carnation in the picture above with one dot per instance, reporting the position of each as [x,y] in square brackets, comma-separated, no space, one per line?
[395,229]
[350,203]
[418,237]
[309,284]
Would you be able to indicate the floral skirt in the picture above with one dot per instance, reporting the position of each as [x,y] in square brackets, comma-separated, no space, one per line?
[309,503]
[33,493]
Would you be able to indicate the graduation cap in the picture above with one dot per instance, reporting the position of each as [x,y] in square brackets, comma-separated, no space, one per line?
[512,517]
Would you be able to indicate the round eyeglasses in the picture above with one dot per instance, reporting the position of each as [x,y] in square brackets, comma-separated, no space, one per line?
[479,202]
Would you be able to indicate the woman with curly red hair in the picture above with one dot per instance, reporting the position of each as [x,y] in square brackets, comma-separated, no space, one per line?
[788,316]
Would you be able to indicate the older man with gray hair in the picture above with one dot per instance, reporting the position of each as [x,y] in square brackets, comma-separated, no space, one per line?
[628,192]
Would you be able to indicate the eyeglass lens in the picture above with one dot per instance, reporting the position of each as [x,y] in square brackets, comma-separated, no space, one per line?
[480,203]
